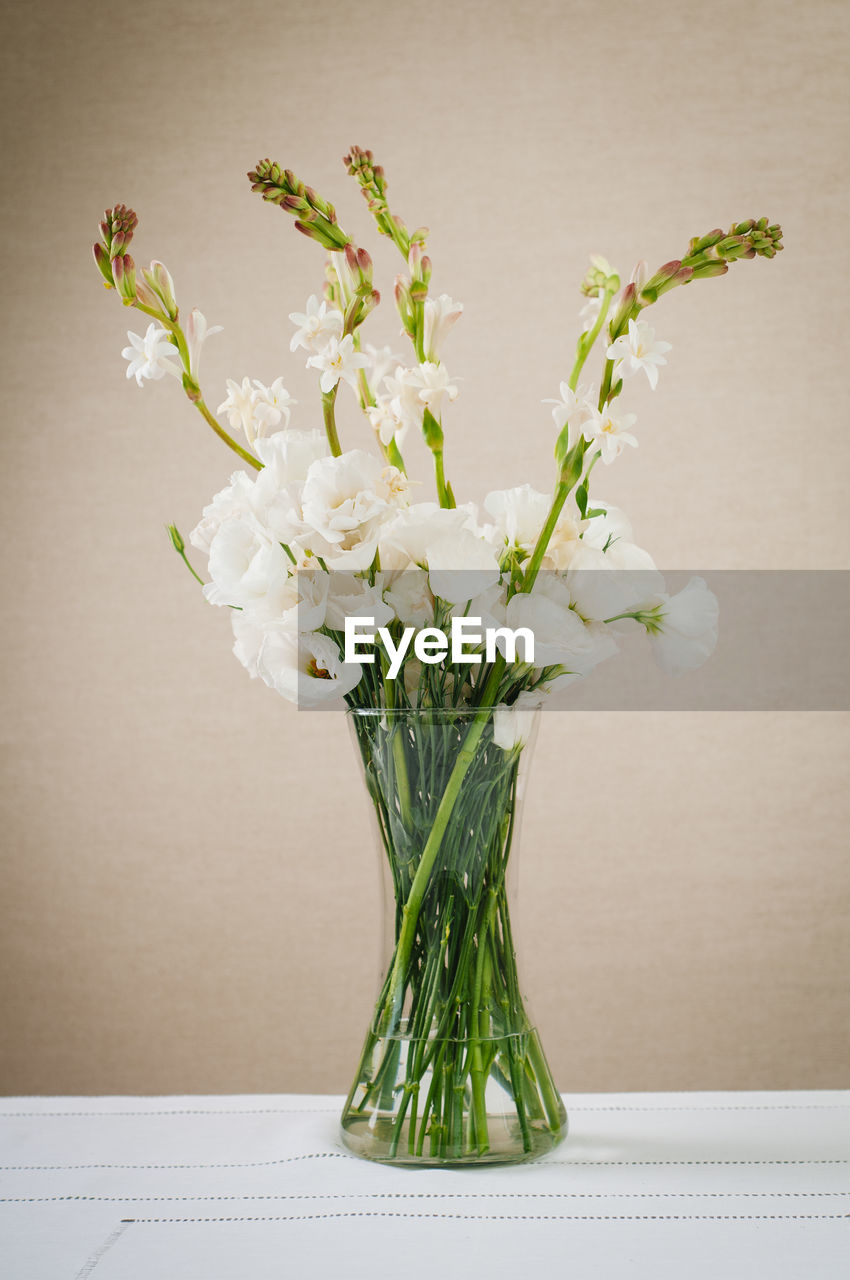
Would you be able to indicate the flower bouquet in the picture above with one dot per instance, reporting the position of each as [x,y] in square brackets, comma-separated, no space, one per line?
[441,626]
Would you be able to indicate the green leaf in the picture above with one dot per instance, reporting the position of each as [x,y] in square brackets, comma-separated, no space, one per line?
[581,500]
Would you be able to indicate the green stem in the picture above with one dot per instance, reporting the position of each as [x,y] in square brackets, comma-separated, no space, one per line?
[328,402]
[444,491]
[562,491]
[587,340]
[199,404]
[410,910]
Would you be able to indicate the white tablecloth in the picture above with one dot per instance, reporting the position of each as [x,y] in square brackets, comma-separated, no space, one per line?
[693,1186]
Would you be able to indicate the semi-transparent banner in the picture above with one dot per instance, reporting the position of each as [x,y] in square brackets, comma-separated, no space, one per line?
[613,640]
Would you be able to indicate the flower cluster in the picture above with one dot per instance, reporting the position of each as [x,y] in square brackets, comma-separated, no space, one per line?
[294,551]
[315,535]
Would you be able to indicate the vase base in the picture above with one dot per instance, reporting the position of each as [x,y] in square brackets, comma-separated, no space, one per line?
[378,1139]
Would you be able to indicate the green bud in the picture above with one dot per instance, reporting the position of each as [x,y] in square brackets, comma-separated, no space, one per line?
[572,464]
[432,431]
[176,538]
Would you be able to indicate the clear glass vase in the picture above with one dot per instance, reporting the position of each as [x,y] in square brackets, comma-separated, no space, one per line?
[452,1071]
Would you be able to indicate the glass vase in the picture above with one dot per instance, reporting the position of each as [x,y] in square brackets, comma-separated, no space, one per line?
[452,1070]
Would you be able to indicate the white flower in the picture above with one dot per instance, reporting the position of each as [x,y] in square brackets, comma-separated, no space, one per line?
[610,434]
[248,569]
[604,530]
[197,332]
[385,422]
[434,383]
[460,566]
[316,326]
[247,639]
[345,499]
[287,456]
[411,599]
[403,391]
[439,314]
[638,349]
[339,359]
[272,406]
[561,637]
[150,356]
[604,585]
[589,313]
[514,725]
[519,514]
[574,407]
[304,667]
[381,361]
[350,596]
[683,632]
[238,404]
[404,540]
[235,500]
[254,408]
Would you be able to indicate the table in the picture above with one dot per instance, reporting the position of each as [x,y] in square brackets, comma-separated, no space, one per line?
[703,1186]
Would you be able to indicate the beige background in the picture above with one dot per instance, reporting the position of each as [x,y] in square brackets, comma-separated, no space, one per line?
[189,888]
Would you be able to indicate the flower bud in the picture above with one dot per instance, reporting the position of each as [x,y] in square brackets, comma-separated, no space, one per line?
[158,279]
[124,277]
[101,257]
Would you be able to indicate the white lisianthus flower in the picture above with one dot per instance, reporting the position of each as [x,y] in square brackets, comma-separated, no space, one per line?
[248,569]
[683,630]
[605,584]
[574,407]
[404,540]
[315,326]
[345,499]
[381,361]
[350,596]
[287,455]
[561,638]
[439,314]
[151,356]
[248,635]
[235,500]
[385,422]
[610,434]
[604,530]
[460,566]
[302,605]
[518,513]
[197,332]
[338,360]
[304,667]
[513,725]
[411,599]
[638,349]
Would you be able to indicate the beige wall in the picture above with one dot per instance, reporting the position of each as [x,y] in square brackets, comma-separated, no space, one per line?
[188,893]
